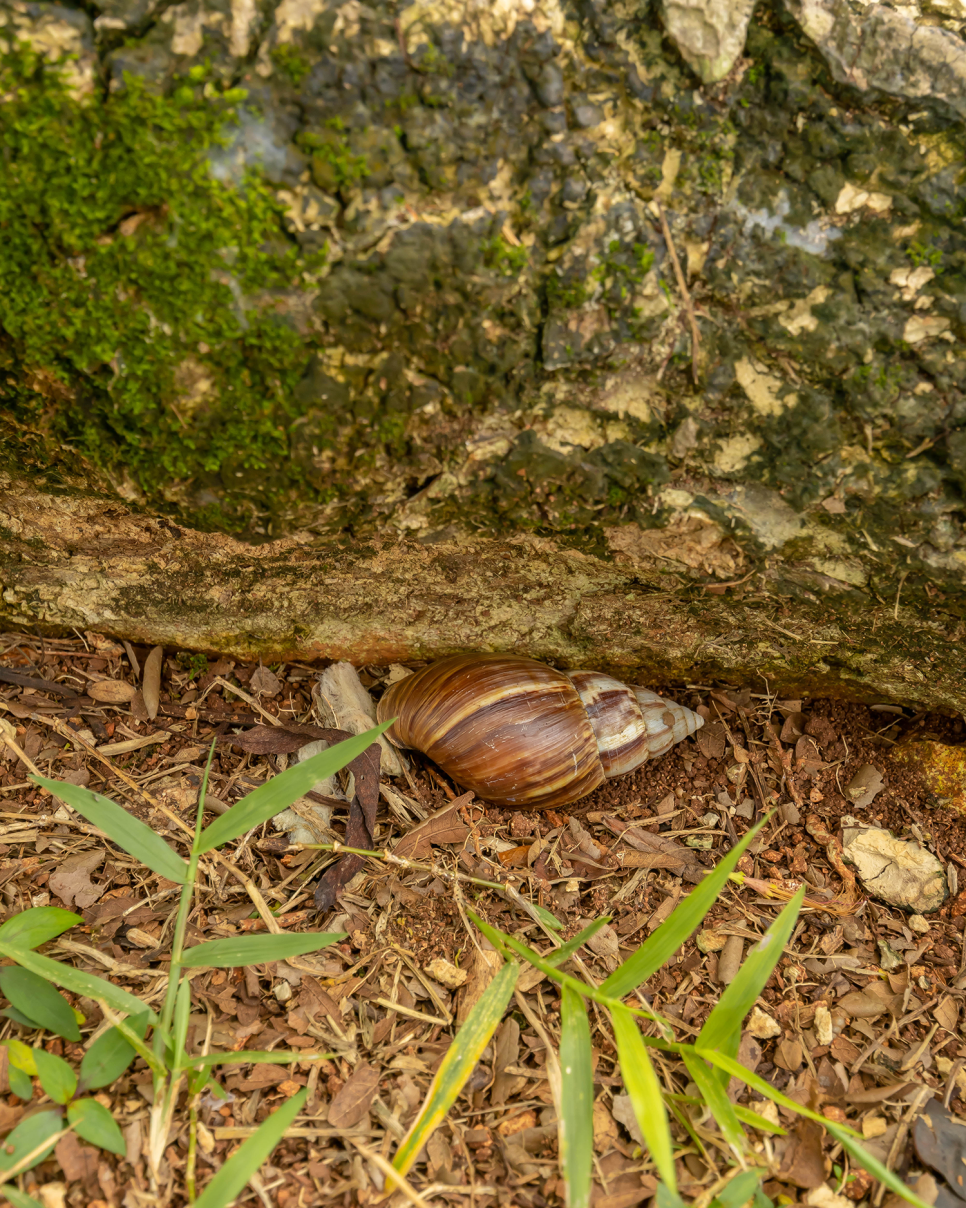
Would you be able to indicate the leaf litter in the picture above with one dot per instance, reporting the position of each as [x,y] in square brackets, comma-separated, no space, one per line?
[879,1048]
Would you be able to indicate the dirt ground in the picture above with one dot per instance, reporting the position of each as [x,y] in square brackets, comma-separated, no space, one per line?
[861,1019]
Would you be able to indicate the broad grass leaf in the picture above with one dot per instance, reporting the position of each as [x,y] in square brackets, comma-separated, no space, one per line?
[36,998]
[576,1099]
[644,1089]
[109,1056]
[658,948]
[713,1094]
[182,1010]
[722,1028]
[76,980]
[230,1180]
[667,1197]
[27,1136]
[257,949]
[549,920]
[740,1190]
[278,793]
[56,1076]
[122,828]
[877,1169]
[93,1122]
[457,1064]
[36,926]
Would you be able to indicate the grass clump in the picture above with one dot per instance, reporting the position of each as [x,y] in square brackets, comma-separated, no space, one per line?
[135,1030]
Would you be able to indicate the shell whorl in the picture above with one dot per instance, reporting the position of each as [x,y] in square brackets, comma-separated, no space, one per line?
[522,734]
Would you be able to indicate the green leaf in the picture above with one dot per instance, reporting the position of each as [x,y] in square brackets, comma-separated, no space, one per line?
[56,1077]
[93,1122]
[576,1135]
[122,828]
[257,949]
[18,1017]
[26,1137]
[109,1056]
[713,1094]
[36,926]
[644,1090]
[666,1197]
[77,981]
[740,1190]
[36,998]
[548,919]
[18,1198]
[20,1083]
[230,1180]
[872,1164]
[754,1120]
[458,1063]
[278,793]
[658,948]
[722,1028]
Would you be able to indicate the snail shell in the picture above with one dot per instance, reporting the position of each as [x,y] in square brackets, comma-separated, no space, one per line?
[522,734]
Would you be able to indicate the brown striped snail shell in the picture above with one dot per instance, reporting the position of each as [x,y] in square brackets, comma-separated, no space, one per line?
[521,734]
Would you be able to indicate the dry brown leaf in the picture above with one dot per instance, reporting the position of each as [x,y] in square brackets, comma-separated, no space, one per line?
[350,1105]
[711,740]
[78,1162]
[803,1163]
[71,881]
[111,691]
[865,786]
[482,968]
[151,682]
[445,826]
[264,682]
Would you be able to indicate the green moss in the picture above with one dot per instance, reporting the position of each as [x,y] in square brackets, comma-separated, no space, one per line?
[508,260]
[124,269]
[334,165]
[294,66]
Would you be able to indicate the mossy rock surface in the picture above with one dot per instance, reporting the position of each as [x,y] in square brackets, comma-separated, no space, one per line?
[390,271]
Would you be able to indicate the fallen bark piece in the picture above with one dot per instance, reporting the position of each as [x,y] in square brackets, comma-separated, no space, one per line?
[897,871]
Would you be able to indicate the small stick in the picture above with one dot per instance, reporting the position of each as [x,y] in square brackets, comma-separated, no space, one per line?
[248,699]
[685,293]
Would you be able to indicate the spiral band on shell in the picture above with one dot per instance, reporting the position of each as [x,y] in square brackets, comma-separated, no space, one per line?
[525,735]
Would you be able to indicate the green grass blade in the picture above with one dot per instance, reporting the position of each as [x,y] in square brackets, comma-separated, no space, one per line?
[278,793]
[245,1056]
[754,1120]
[36,998]
[644,1089]
[713,1094]
[457,1064]
[122,828]
[872,1164]
[230,1180]
[56,1077]
[566,951]
[179,1028]
[257,949]
[740,1189]
[576,1100]
[734,1069]
[722,1028]
[75,980]
[658,948]
[507,944]
[36,926]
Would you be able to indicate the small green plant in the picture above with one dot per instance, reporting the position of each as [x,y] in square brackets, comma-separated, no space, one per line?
[334,165]
[925,253]
[34,1003]
[710,1061]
